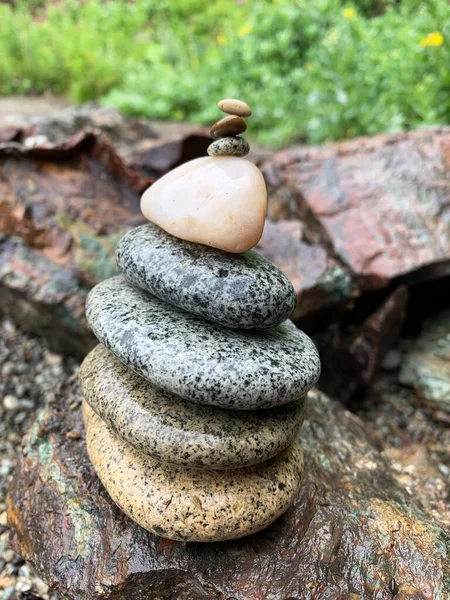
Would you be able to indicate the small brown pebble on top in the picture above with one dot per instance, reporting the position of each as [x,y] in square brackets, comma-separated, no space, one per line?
[231,125]
[73,435]
[232,106]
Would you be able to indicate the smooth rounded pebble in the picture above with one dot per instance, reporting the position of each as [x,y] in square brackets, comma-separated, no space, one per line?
[230,125]
[188,504]
[218,201]
[175,431]
[198,360]
[229,146]
[235,107]
[243,291]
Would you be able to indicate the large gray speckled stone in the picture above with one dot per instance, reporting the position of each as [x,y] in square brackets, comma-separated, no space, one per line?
[175,431]
[244,291]
[188,504]
[198,360]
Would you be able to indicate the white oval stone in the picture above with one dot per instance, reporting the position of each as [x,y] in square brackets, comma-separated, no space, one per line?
[218,201]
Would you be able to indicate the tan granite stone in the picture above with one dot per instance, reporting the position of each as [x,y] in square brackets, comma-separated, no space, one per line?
[189,504]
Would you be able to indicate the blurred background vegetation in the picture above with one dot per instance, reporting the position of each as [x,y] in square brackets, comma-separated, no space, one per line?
[313,70]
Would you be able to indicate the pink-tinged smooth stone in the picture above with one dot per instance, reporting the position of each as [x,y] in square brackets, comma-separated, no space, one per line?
[218,201]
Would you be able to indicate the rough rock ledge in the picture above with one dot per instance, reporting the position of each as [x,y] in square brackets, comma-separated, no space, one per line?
[352,534]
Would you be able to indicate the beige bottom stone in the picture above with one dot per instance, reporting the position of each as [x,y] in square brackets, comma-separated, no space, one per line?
[189,504]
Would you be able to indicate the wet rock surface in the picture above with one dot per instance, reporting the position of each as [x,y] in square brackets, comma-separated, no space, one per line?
[29,373]
[63,208]
[350,507]
[414,437]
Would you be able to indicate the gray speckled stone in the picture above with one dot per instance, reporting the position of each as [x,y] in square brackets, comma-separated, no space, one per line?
[198,360]
[229,146]
[188,504]
[175,431]
[243,291]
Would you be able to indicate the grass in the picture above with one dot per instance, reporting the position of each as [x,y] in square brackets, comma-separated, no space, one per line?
[313,71]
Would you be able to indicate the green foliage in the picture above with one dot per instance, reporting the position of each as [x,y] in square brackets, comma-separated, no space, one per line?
[83,48]
[370,76]
[313,71]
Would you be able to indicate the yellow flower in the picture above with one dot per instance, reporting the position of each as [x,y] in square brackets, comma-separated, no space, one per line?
[435,38]
[195,63]
[244,30]
[222,40]
[349,13]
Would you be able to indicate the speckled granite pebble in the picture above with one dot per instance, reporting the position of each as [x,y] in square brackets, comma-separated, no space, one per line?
[175,431]
[245,291]
[199,360]
[188,504]
[229,146]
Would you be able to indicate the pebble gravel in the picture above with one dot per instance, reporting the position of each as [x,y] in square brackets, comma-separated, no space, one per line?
[29,373]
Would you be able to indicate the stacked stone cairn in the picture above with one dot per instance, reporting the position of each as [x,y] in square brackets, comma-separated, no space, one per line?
[194,399]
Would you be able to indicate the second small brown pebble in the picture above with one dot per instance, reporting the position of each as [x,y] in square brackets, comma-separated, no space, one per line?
[231,125]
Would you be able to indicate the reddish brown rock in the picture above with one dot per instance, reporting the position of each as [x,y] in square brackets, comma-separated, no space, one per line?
[351,530]
[381,205]
[52,193]
[378,333]
[10,134]
[62,208]
[318,279]
[157,157]
[65,204]
[48,121]
[152,148]
[43,297]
